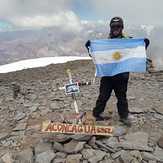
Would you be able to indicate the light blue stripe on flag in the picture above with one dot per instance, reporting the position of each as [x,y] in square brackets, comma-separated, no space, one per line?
[114,56]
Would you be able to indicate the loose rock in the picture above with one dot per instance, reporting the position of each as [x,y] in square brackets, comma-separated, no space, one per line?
[43,157]
[73,146]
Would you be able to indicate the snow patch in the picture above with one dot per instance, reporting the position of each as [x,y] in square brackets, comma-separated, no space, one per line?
[38,62]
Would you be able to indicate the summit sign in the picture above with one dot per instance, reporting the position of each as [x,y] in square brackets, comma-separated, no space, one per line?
[51,127]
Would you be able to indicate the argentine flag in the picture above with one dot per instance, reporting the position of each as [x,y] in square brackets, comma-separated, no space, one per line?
[114,56]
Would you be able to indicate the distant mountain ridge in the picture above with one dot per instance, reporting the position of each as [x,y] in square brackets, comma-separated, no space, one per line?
[53,41]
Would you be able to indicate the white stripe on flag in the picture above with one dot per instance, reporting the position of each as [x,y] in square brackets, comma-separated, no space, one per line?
[102,57]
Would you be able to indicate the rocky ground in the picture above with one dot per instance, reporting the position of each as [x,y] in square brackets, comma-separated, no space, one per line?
[29,97]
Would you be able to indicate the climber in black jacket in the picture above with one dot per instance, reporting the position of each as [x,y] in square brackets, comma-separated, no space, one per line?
[118,83]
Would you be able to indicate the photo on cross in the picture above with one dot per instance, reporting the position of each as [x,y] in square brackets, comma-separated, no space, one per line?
[72,88]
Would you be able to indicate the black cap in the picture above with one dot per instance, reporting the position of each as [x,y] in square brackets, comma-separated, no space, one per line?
[116,21]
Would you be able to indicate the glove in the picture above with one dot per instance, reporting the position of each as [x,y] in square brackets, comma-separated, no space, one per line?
[87,45]
[147,42]
[149,65]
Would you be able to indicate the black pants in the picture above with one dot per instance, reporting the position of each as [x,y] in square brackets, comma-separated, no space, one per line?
[118,83]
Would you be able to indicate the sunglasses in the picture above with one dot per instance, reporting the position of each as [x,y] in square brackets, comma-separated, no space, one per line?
[116,26]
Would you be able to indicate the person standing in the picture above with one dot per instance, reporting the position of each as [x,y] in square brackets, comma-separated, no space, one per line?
[118,82]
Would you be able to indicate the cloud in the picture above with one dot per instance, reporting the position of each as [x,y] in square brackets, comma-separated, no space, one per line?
[66,20]
[134,12]
[40,13]
[16,8]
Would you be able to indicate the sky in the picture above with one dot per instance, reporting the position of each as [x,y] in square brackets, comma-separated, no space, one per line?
[44,13]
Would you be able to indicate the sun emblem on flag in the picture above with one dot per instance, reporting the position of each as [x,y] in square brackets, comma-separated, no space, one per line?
[117,56]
